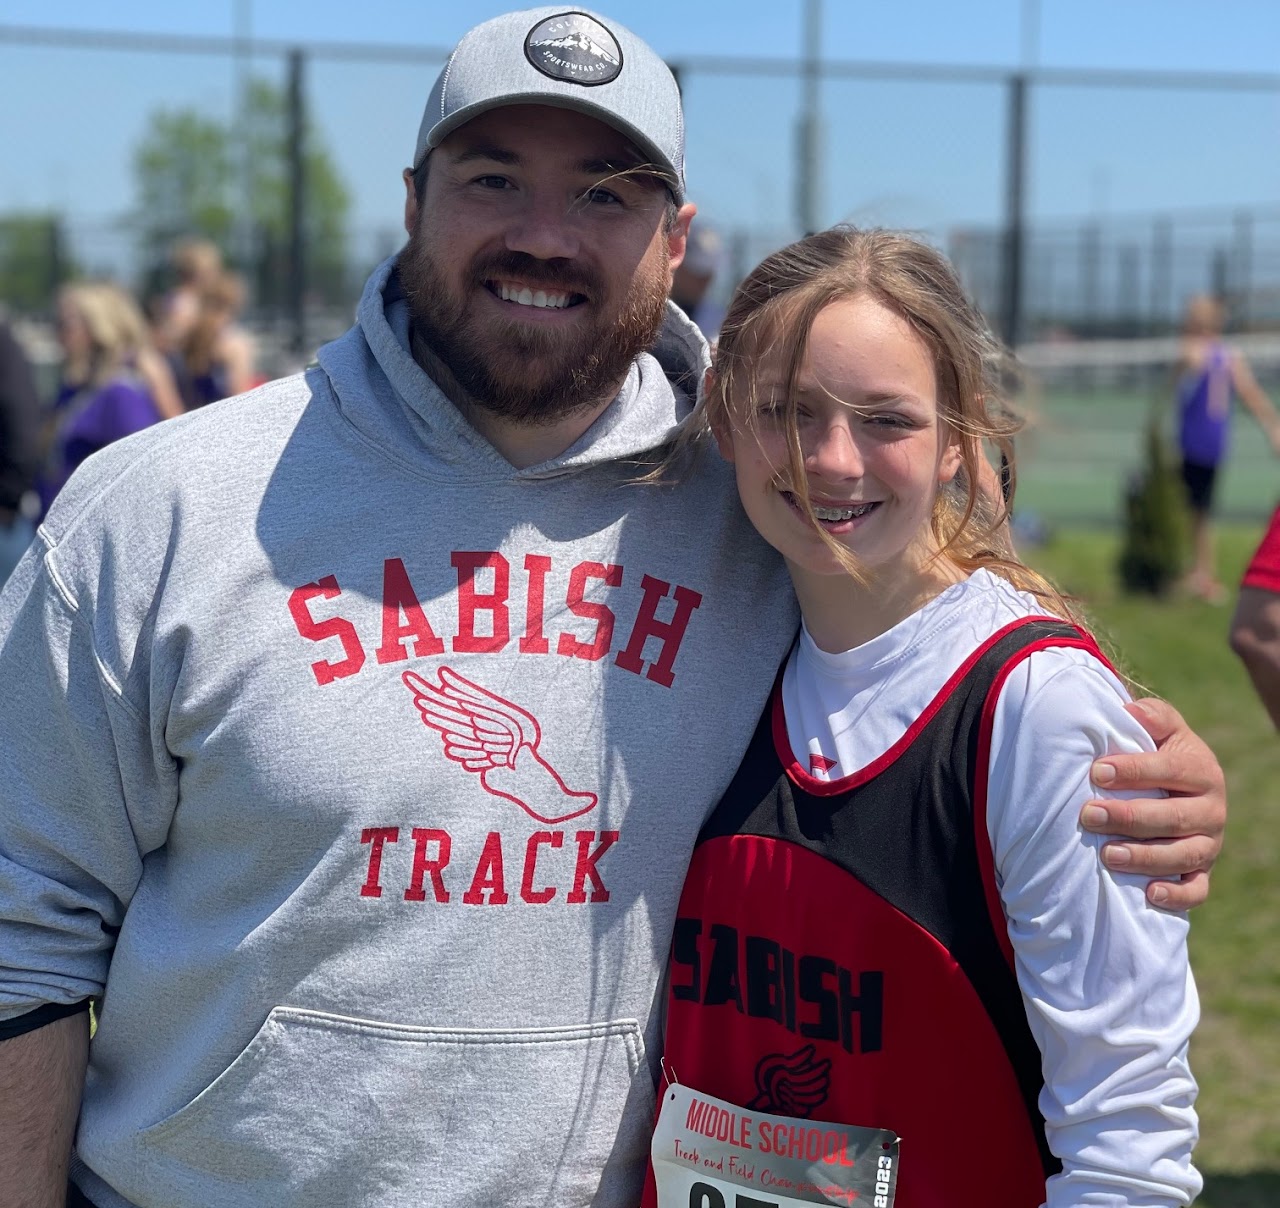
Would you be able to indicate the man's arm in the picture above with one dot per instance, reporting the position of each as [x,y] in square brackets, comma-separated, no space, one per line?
[41,1078]
[1179,836]
[1255,637]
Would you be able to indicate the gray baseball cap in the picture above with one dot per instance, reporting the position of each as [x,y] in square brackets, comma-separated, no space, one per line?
[568,58]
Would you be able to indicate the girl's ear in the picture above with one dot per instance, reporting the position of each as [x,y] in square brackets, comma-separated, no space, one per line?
[952,458]
[717,419]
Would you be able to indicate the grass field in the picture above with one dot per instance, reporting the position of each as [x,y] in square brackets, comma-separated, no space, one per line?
[1178,648]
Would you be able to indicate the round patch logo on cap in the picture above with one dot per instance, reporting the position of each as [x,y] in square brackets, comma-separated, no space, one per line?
[574,47]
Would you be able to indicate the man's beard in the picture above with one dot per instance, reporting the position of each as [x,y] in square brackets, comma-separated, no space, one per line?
[524,371]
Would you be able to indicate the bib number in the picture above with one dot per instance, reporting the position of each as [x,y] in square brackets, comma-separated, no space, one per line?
[711,1154]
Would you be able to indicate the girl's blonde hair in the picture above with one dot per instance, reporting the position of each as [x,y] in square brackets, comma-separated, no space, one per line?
[117,331]
[771,315]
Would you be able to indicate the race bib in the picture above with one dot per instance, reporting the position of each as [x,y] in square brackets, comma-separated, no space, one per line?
[711,1154]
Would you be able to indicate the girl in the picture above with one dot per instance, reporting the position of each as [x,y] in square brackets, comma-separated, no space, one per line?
[892,919]
[1209,375]
[217,354]
[103,394]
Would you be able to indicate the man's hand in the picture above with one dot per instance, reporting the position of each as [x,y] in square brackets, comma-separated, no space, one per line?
[1181,835]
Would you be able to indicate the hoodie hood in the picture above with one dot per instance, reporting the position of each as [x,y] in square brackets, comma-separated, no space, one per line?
[383,392]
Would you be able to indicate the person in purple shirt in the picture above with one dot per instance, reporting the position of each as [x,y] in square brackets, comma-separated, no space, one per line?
[1209,375]
[102,396]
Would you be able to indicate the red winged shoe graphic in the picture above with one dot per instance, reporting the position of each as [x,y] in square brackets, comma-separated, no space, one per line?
[498,739]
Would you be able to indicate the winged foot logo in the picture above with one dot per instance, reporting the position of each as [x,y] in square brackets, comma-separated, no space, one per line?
[497,740]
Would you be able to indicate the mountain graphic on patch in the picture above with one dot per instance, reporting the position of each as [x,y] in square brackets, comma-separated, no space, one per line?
[578,42]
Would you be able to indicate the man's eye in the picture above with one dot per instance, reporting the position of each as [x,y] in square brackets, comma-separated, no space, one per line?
[493,182]
[602,197]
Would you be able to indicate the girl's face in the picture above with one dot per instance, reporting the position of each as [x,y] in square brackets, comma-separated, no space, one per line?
[73,332]
[874,447]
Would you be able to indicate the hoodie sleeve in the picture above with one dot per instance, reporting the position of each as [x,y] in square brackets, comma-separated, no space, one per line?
[86,792]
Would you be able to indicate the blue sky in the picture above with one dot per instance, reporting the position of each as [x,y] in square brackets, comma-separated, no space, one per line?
[907,153]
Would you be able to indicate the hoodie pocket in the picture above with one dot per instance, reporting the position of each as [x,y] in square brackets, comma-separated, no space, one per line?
[322,1109]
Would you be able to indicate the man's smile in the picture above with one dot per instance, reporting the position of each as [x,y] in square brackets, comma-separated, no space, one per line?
[526,295]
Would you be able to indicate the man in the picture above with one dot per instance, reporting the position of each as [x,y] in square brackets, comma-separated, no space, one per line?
[1255,628]
[367,721]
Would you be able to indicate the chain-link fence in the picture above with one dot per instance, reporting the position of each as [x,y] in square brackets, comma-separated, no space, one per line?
[289,156]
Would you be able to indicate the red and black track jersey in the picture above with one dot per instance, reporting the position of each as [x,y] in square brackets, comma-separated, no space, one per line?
[840,951]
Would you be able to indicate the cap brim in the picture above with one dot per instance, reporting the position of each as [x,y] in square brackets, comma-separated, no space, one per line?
[446,126]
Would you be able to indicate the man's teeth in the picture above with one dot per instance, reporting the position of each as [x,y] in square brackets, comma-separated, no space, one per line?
[524,296]
[860,509]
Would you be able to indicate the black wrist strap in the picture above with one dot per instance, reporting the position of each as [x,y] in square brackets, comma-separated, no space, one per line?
[51,1012]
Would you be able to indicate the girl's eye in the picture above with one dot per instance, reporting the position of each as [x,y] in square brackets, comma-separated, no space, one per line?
[890,421]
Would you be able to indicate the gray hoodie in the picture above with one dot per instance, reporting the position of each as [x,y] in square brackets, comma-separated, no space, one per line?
[357,771]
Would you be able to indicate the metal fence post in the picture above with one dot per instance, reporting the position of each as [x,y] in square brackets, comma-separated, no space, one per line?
[808,133]
[295,139]
[1015,213]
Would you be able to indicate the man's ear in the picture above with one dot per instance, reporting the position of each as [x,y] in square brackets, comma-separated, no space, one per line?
[717,419]
[410,203]
[678,236]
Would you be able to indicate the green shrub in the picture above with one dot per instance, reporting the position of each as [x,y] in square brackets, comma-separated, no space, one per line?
[1153,554]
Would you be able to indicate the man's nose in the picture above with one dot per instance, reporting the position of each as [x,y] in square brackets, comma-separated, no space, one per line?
[544,228]
[833,453]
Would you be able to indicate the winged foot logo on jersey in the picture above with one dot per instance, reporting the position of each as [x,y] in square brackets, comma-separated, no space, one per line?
[792,1084]
[497,739]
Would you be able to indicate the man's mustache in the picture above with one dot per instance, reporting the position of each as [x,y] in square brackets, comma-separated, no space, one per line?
[561,275]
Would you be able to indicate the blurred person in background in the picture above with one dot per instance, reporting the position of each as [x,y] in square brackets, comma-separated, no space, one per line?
[102,395]
[19,449]
[1209,375]
[196,264]
[692,280]
[217,354]
[133,336]
[1255,628]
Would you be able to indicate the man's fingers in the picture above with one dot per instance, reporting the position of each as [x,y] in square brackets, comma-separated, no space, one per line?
[1158,717]
[1162,857]
[1175,767]
[1190,892]
[1159,817]
[1141,818]
[1183,763]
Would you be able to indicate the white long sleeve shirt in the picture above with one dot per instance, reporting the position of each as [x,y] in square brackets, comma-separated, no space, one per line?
[1104,975]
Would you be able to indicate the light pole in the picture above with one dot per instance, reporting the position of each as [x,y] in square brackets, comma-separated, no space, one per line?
[809,131]
[243,227]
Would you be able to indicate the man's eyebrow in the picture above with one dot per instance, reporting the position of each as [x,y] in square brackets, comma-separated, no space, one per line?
[489,151]
[624,166]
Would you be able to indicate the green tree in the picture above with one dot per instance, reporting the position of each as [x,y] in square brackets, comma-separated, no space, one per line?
[1153,553]
[187,183]
[327,203]
[33,260]
[183,176]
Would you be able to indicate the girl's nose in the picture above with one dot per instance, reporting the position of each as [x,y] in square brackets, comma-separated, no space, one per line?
[834,453]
